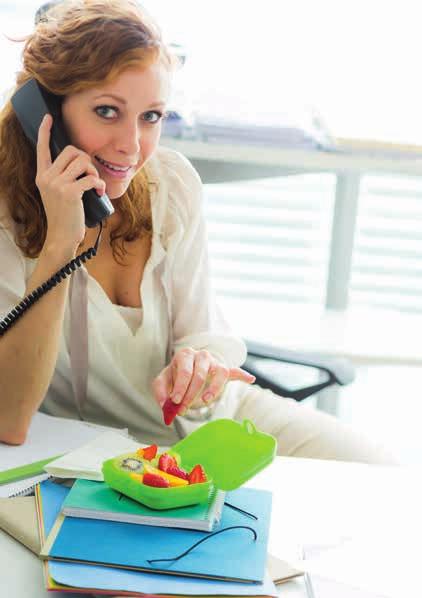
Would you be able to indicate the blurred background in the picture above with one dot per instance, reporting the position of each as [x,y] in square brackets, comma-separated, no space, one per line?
[303,119]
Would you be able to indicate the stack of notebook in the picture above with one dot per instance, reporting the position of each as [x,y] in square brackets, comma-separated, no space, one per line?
[93,539]
[100,551]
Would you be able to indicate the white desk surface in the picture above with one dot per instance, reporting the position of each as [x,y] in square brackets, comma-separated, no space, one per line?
[314,502]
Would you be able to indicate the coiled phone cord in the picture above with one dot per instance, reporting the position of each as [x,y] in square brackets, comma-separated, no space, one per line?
[18,311]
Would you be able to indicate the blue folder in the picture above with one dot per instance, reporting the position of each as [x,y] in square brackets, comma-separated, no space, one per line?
[105,578]
[233,555]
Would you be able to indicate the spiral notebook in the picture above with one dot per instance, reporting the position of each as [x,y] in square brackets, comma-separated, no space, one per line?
[96,500]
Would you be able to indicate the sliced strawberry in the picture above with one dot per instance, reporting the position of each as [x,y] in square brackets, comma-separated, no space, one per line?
[176,456]
[174,480]
[178,472]
[170,411]
[165,461]
[152,479]
[148,452]
[197,475]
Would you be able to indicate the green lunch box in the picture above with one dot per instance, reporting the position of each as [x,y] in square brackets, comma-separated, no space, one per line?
[230,452]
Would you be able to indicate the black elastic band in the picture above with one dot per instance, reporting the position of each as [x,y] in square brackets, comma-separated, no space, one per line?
[251,515]
[225,529]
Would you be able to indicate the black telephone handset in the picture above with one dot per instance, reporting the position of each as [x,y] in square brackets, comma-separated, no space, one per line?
[31,102]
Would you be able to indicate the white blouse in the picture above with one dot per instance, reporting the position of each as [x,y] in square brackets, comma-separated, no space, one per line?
[132,316]
[128,348]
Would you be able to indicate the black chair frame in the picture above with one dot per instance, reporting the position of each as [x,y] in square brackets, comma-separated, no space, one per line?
[338,370]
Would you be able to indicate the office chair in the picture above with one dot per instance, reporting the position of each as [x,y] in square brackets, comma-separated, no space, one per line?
[265,362]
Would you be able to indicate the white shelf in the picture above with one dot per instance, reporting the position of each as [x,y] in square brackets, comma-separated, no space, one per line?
[295,159]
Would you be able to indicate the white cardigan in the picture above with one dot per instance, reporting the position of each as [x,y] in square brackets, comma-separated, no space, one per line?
[179,309]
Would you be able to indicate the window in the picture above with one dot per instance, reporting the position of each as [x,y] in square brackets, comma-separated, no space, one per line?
[387,265]
[269,239]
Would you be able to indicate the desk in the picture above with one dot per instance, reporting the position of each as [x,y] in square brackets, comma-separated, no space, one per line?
[314,502]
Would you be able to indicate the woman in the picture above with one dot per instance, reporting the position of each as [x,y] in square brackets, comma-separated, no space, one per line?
[138,323]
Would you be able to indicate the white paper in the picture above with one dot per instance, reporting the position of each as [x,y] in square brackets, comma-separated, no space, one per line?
[86,461]
[47,437]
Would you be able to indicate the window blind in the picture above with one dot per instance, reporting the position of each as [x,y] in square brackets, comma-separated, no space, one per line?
[269,238]
[387,260]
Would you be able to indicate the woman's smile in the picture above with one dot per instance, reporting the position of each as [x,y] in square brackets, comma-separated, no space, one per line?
[112,169]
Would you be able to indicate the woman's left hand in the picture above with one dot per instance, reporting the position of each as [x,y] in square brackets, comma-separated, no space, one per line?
[194,378]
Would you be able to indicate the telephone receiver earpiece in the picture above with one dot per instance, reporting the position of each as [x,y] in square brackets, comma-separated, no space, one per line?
[31,103]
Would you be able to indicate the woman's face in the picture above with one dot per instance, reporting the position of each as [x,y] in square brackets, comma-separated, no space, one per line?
[119,124]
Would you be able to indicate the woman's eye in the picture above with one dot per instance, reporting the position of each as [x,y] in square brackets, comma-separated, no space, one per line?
[108,112]
[152,116]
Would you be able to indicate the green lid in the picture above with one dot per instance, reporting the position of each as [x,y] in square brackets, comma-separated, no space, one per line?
[230,452]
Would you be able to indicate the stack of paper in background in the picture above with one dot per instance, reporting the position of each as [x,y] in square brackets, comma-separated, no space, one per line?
[268,129]
[285,126]
[113,557]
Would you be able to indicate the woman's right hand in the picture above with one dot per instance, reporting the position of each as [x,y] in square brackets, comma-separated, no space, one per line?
[61,191]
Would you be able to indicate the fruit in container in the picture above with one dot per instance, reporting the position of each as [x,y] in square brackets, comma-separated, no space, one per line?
[165,461]
[174,480]
[178,472]
[148,452]
[157,481]
[197,475]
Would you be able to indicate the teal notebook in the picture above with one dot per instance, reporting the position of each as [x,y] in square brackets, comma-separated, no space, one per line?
[96,500]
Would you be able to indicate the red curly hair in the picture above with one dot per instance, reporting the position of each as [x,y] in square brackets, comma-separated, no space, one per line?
[81,43]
